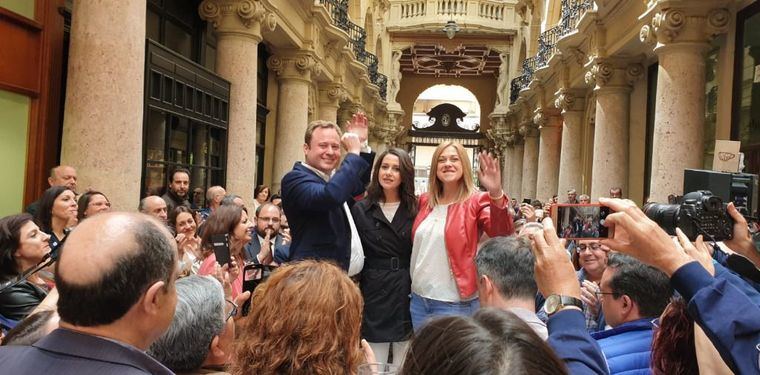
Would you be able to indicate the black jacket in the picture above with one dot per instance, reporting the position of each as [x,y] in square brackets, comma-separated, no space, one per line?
[18,301]
[385,280]
[280,254]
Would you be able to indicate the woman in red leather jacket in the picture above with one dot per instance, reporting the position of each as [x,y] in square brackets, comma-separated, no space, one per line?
[452,216]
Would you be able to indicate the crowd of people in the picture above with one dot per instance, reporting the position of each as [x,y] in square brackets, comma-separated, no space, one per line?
[459,280]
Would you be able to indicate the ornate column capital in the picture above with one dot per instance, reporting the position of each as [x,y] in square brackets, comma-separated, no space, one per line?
[238,17]
[569,100]
[528,129]
[690,22]
[613,73]
[332,95]
[294,66]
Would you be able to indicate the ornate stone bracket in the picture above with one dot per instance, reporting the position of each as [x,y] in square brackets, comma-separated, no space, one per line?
[241,17]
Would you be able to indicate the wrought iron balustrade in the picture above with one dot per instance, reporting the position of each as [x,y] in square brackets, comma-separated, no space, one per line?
[338,10]
[382,84]
[547,45]
[357,39]
[571,12]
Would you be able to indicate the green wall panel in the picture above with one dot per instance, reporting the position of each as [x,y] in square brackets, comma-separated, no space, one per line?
[14,125]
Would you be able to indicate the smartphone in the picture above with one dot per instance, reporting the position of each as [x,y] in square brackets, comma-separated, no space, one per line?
[253,275]
[526,201]
[580,221]
[221,245]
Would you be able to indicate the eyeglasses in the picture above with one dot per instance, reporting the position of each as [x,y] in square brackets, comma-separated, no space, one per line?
[594,246]
[599,294]
[233,310]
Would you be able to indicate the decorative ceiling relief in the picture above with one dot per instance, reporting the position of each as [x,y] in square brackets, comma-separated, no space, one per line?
[460,61]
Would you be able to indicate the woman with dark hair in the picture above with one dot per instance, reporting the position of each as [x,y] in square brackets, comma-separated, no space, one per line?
[451,219]
[22,246]
[492,342]
[57,212]
[183,224]
[231,220]
[260,195]
[91,203]
[384,222]
[305,319]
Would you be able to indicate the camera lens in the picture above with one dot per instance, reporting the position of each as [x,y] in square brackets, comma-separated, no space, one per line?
[665,215]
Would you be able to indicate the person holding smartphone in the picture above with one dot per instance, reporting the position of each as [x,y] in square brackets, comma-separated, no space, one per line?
[230,221]
[384,221]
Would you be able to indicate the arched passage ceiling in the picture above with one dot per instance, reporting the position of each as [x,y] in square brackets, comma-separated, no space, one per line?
[462,61]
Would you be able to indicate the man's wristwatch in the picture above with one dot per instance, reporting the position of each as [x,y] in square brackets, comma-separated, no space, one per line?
[556,302]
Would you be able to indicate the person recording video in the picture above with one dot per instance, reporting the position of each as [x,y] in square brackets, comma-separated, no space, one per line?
[729,317]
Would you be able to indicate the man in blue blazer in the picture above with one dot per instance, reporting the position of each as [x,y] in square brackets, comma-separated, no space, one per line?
[316,196]
[267,235]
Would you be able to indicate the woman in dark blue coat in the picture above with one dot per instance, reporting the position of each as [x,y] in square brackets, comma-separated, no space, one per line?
[384,221]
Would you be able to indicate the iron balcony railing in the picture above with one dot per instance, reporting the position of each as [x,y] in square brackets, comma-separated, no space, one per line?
[572,10]
[357,40]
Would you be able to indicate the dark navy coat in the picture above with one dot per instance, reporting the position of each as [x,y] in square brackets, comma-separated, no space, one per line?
[314,208]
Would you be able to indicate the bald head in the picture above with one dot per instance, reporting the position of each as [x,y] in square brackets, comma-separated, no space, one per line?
[214,196]
[154,206]
[108,262]
[63,175]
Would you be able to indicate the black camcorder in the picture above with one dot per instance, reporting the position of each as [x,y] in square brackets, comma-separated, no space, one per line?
[700,212]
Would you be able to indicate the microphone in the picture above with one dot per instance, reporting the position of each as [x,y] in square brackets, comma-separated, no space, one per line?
[55,252]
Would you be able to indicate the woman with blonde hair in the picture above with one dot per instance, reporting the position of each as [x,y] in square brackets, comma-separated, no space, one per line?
[305,319]
[452,216]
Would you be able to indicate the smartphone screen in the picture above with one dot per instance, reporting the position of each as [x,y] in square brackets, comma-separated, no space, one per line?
[580,221]
[253,275]
[221,245]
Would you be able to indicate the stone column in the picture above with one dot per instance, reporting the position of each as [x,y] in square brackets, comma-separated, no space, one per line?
[550,127]
[530,160]
[238,25]
[613,79]
[329,101]
[102,126]
[570,163]
[294,77]
[680,32]
[516,177]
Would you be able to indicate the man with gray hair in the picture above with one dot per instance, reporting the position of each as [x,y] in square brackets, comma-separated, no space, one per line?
[155,206]
[214,196]
[505,279]
[200,337]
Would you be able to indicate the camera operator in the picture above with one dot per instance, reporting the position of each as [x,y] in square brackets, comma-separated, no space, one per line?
[728,316]
[742,242]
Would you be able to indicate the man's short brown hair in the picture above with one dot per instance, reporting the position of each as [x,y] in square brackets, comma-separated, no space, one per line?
[320,124]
